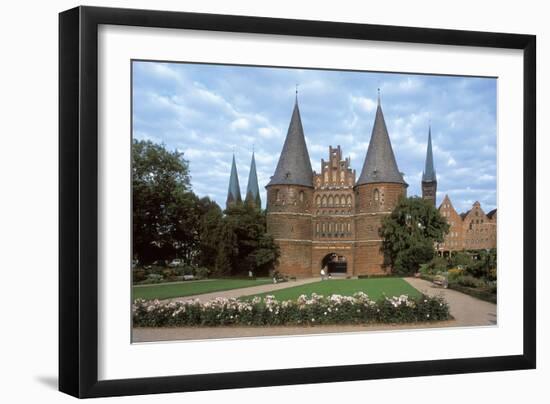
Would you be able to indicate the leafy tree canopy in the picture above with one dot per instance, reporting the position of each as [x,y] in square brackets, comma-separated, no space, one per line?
[164,218]
[409,234]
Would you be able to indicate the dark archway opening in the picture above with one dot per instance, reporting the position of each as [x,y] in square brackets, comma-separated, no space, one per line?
[335,264]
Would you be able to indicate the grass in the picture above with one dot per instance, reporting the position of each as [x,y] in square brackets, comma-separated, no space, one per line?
[190,288]
[375,288]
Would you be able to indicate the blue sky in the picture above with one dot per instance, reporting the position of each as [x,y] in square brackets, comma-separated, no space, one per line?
[210,111]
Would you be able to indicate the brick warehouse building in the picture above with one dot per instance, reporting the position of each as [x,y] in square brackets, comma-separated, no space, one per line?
[330,219]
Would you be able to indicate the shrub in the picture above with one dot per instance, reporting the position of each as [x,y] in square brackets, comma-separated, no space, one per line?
[435,266]
[201,272]
[387,275]
[469,281]
[153,278]
[455,273]
[138,275]
[317,309]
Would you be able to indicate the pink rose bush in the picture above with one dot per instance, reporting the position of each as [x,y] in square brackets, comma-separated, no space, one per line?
[306,310]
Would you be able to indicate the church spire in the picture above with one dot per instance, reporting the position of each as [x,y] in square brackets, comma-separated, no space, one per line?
[429,172]
[380,164]
[234,191]
[252,189]
[294,166]
[429,179]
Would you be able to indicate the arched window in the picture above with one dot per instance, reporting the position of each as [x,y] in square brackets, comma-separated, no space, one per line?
[324,227]
[349,200]
[330,201]
[337,200]
[277,195]
[349,227]
[301,196]
[317,228]
[376,195]
[342,175]
[318,200]
[324,201]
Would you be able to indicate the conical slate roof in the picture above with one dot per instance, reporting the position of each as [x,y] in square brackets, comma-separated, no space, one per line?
[294,166]
[380,164]
[234,191]
[429,172]
[252,189]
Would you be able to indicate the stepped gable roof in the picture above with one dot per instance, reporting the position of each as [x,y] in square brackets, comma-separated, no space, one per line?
[294,166]
[380,164]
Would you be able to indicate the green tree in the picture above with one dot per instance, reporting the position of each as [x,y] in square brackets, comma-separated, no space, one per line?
[244,243]
[409,233]
[211,233]
[164,218]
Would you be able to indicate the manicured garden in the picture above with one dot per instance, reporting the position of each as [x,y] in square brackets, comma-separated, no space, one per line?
[357,301]
[473,273]
[375,288]
[307,311]
[190,288]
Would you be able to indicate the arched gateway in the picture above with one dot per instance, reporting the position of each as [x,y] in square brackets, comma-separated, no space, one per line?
[335,264]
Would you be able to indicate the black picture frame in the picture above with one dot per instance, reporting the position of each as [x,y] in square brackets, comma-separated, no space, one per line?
[78,200]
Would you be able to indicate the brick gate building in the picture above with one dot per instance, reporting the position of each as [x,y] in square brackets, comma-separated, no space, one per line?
[328,218]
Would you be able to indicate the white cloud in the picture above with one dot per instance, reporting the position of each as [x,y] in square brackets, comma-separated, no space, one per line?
[366,104]
[240,124]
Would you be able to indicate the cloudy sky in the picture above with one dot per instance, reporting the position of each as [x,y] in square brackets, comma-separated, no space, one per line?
[209,111]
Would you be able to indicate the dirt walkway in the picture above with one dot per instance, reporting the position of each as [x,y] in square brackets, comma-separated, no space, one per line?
[252,290]
[196,333]
[467,310]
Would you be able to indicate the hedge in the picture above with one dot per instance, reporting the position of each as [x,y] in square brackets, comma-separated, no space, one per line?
[267,311]
[481,294]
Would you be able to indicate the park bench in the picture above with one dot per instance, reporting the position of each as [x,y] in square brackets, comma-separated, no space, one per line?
[441,281]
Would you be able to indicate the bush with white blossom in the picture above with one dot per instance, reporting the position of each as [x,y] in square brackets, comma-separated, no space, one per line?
[306,310]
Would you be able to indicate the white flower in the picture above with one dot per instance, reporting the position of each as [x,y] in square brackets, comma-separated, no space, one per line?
[312,320]
[427,315]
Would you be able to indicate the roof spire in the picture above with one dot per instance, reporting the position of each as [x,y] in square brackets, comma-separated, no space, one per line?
[380,164]
[294,166]
[429,171]
[296,100]
[234,191]
[252,189]
[378,96]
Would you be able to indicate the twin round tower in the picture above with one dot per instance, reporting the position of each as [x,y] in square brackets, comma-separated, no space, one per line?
[330,219]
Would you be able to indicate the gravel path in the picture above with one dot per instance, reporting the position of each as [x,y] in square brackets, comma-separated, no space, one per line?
[252,290]
[466,310]
[197,333]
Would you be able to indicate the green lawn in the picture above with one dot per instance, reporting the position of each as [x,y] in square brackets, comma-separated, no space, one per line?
[189,288]
[375,288]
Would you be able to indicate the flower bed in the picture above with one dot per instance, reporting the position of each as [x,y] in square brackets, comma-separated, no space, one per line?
[317,309]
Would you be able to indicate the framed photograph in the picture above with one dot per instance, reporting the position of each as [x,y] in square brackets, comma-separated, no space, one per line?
[249,201]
